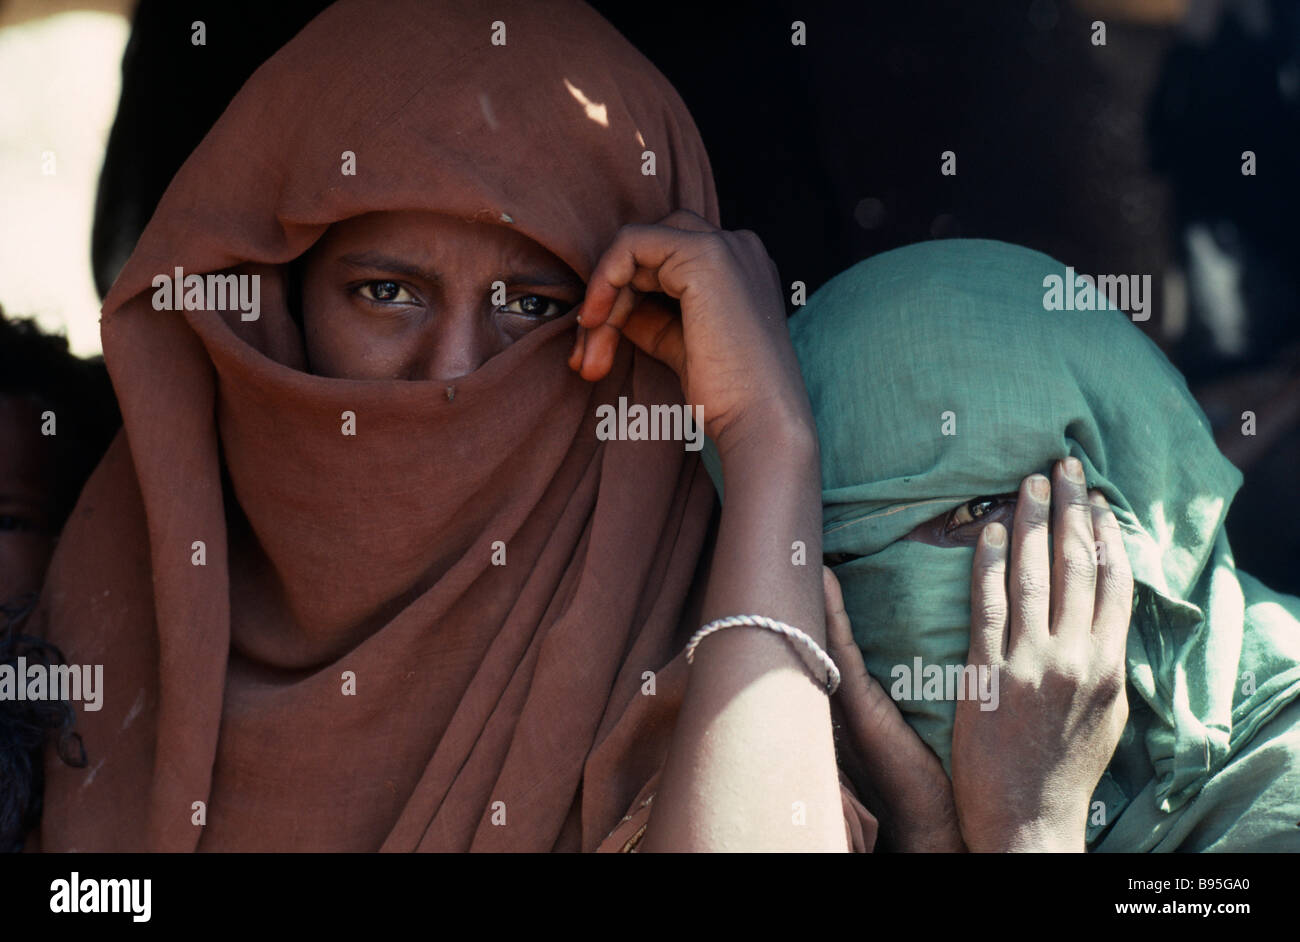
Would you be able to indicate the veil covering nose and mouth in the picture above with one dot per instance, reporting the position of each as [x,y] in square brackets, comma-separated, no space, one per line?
[436,633]
[936,377]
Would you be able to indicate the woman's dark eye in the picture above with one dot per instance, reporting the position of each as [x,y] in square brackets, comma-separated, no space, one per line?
[11,522]
[390,292]
[535,305]
[971,511]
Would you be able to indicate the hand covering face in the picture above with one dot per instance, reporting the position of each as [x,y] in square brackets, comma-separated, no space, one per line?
[937,377]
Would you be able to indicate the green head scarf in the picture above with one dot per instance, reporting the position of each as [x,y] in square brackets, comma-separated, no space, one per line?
[937,376]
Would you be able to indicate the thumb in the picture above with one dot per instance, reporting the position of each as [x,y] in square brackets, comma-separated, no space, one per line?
[839,632]
[871,716]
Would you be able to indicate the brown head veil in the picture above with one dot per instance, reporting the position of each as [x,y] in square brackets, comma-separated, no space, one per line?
[327,556]
[348,668]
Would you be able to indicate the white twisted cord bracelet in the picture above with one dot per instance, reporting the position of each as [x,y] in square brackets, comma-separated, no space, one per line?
[808,649]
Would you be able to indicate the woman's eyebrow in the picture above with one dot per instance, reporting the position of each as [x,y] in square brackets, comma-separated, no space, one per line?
[377,260]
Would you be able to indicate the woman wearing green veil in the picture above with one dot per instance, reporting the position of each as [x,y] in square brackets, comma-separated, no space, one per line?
[939,379]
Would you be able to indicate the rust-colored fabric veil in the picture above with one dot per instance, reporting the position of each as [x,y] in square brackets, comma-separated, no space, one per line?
[372,554]
[348,669]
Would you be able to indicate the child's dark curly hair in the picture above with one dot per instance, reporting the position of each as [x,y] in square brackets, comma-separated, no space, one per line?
[24,726]
[39,368]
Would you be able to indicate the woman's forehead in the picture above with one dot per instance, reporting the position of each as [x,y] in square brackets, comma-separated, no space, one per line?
[427,239]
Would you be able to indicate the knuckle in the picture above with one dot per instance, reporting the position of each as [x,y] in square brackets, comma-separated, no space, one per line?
[747,244]
[1103,522]
[1078,514]
[1068,671]
[1110,683]
[1079,567]
[1101,694]
[1117,585]
[991,611]
[620,248]
[1021,671]
[1079,505]
[713,245]
[1106,521]
[1032,587]
[1123,577]
[1031,523]
[989,567]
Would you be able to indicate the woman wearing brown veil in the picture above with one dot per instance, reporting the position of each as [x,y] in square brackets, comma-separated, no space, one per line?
[364,570]
[359,570]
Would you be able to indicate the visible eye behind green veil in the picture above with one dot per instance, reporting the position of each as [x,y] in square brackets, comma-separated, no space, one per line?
[937,376]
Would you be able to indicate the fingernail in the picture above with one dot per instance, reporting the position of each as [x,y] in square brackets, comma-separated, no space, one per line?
[1074,470]
[1039,488]
[995,534]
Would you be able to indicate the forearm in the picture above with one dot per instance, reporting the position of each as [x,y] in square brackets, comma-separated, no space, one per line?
[752,761]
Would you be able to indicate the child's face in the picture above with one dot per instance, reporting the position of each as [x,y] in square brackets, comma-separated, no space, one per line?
[26,530]
[409,295]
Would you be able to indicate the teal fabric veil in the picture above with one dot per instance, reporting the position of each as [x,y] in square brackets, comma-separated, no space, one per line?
[937,375]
